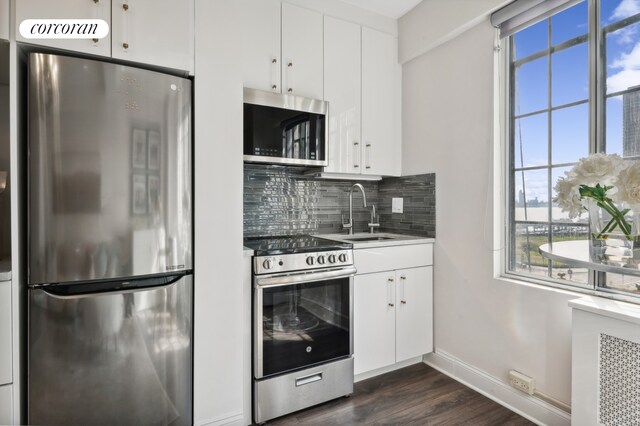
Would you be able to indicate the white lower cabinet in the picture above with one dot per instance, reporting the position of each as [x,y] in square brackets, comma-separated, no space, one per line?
[5,334]
[393,319]
[6,405]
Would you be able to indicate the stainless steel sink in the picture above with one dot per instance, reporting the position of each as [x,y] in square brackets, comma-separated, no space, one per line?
[368,238]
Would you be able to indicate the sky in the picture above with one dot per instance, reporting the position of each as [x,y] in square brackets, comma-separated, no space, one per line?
[569,84]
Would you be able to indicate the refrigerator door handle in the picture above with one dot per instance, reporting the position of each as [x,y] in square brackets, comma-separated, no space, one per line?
[81,291]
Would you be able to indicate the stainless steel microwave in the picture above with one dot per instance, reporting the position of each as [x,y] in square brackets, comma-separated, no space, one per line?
[285,129]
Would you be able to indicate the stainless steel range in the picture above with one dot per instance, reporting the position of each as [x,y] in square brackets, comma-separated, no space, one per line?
[302,323]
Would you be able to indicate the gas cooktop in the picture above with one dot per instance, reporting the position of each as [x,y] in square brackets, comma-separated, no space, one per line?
[290,244]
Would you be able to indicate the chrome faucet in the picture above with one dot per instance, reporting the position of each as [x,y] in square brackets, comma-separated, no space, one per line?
[349,225]
[373,224]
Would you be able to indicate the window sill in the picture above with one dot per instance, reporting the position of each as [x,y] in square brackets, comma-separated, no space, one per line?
[565,289]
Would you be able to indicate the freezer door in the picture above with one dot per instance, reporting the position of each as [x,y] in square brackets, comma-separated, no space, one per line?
[109,170]
[112,358]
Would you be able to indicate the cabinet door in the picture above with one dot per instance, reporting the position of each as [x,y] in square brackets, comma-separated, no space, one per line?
[4,19]
[414,317]
[374,321]
[5,333]
[301,51]
[67,9]
[342,90]
[156,32]
[380,75]
[261,44]
[6,405]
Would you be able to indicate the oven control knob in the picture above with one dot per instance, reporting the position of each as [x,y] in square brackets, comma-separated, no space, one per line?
[332,258]
[342,257]
[267,264]
[321,260]
[310,260]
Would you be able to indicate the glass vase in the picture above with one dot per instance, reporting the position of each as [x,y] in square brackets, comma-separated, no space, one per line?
[609,243]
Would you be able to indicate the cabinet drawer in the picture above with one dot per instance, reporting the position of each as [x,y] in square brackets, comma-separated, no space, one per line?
[5,334]
[390,258]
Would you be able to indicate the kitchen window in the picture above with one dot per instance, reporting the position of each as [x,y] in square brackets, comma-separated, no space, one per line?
[574,89]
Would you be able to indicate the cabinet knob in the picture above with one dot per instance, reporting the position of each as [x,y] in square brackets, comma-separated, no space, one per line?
[274,60]
[125,45]
[355,166]
[290,64]
[404,302]
[289,90]
[95,40]
[367,167]
[96,1]
[390,280]
[356,143]
[391,304]
[125,6]
[274,86]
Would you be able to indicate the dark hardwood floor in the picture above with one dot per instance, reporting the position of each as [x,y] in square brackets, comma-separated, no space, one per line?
[415,395]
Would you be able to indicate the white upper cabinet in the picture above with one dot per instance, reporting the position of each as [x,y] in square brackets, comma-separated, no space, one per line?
[380,102]
[302,51]
[4,19]
[154,32]
[261,45]
[157,32]
[342,91]
[66,9]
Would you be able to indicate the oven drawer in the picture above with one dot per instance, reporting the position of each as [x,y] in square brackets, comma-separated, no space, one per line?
[301,389]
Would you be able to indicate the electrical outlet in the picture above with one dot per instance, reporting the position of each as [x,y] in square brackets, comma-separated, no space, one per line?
[522,382]
[396,205]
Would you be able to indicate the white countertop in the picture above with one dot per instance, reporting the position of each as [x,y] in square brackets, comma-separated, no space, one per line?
[390,239]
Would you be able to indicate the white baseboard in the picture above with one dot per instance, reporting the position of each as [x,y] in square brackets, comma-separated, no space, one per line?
[529,407]
[229,419]
[387,369]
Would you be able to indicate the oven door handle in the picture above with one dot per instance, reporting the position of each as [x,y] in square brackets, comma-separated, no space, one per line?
[279,280]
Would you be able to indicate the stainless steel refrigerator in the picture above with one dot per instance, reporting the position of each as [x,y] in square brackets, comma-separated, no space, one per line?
[110,288]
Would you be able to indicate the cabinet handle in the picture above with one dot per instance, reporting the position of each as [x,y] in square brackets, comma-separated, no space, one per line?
[356,164]
[274,73]
[403,299]
[368,160]
[95,40]
[390,292]
[289,74]
[125,45]
[96,1]
[125,6]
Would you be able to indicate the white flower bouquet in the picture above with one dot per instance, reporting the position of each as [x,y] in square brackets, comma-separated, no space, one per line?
[607,182]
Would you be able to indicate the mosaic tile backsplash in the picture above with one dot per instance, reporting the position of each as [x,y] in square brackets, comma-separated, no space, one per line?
[283,201]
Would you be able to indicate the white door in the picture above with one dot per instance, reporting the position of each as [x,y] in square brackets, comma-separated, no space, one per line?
[380,74]
[156,32]
[66,9]
[342,91]
[374,314]
[261,44]
[414,317]
[301,51]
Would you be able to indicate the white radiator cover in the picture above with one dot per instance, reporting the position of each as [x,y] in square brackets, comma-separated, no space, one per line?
[619,381]
[605,363]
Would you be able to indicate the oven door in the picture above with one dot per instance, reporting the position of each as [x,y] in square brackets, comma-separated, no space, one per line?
[302,320]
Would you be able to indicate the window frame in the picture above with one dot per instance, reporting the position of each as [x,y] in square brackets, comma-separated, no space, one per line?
[596,103]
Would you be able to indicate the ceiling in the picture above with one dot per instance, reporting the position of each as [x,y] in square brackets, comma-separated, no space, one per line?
[391,8]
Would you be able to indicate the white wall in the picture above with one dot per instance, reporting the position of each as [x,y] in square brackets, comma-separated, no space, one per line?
[433,22]
[218,368]
[493,325]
